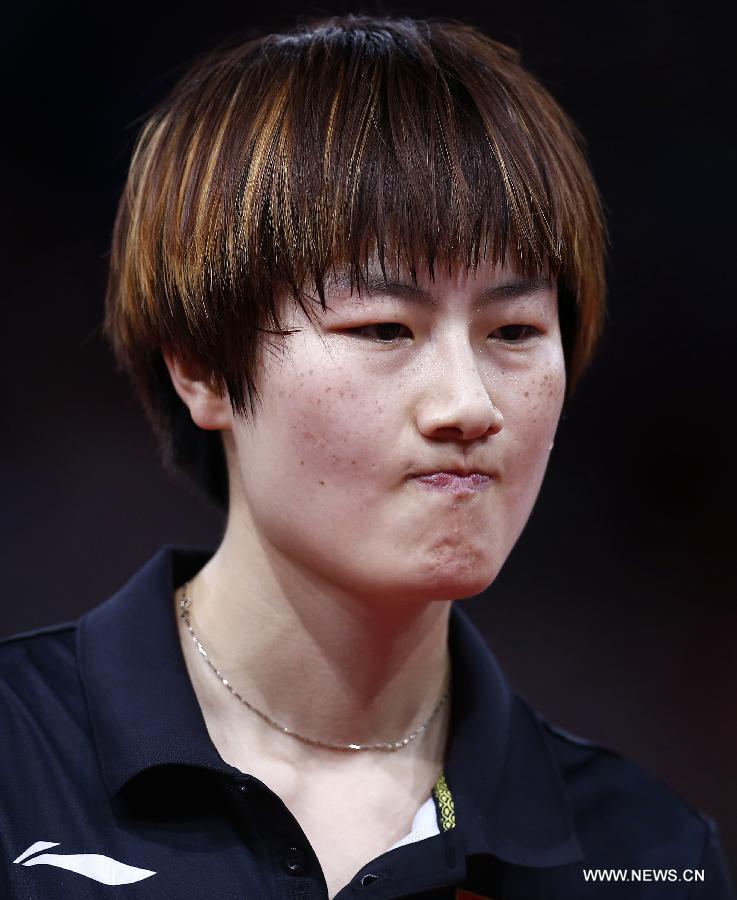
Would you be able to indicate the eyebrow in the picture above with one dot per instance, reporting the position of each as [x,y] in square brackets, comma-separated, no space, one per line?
[519,286]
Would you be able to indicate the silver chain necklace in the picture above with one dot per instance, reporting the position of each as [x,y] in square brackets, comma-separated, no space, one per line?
[184,605]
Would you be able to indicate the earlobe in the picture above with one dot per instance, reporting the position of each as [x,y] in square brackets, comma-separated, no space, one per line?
[194,386]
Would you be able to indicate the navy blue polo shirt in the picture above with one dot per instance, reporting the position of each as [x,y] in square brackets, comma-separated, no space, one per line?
[110,786]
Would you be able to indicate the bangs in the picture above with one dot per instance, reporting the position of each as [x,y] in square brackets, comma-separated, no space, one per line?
[373,151]
[280,161]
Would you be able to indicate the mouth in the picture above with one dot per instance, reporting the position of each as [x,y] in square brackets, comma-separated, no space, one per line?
[454,482]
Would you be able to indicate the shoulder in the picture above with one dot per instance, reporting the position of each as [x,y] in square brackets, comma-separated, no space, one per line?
[43,648]
[39,681]
[622,812]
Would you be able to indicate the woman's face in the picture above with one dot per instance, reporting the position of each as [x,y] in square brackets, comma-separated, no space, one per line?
[463,375]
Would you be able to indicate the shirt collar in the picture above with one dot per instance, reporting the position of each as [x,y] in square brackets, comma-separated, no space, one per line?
[506,787]
[143,710]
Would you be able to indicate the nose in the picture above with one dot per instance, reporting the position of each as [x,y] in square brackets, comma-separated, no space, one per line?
[456,404]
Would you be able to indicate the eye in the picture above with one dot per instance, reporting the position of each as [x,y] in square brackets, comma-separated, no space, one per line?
[382,332]
[515,334]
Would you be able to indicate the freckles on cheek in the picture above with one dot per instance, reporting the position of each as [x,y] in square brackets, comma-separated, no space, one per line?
[537,408]
[328,432]
[553,386]
[543,396]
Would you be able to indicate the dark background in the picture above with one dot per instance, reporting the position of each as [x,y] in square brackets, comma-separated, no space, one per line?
[615,615]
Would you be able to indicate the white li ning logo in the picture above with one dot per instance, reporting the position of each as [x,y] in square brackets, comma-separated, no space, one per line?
[92,865]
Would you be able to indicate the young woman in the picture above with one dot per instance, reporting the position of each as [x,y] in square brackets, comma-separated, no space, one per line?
[356,268]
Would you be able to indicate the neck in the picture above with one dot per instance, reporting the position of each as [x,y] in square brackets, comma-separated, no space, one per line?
[326,663]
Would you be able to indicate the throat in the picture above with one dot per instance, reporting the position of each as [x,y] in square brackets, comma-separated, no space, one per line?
[308,688]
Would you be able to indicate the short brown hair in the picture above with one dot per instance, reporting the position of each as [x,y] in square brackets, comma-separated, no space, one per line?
[278,159]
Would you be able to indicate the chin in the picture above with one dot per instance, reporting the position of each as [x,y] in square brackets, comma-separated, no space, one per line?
[454,572]
[455,588]
[437,584]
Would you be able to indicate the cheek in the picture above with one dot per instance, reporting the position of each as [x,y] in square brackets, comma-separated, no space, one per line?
[317,429]
[531,420]
[308,466]
[544,401]
[538,397]
[325,429]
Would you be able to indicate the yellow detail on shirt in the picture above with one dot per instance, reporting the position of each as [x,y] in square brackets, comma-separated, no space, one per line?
[444,799]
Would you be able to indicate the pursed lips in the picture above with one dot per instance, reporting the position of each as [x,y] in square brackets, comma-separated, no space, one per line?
[454,481]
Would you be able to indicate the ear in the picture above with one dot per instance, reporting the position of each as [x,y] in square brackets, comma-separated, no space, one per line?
[195,389]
